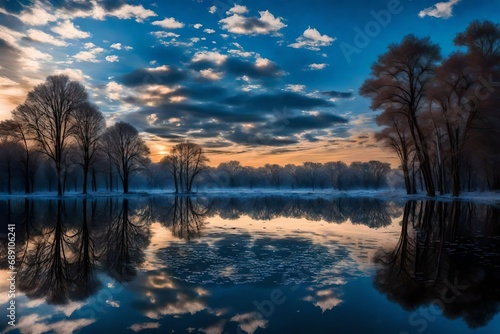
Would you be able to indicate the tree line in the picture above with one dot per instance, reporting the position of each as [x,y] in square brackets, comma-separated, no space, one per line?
[440,116]
[57,139]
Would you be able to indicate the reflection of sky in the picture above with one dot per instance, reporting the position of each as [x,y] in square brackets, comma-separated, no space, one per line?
[321,272]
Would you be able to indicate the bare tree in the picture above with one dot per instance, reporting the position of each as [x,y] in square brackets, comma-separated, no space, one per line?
[233,168]
[126,150]
[399,80]
[396,136]
[16,131]
[185,162]
[48,112]
[89,125]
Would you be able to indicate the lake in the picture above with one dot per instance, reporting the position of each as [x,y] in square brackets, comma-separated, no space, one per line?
[266,264]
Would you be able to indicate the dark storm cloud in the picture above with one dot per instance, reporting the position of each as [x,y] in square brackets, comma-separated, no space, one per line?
[144,77]
[320,121]
[257,138]
[216,144]
[200,92]
[338,95]
[161,132]
[72,5]
[240,67]
[278,100]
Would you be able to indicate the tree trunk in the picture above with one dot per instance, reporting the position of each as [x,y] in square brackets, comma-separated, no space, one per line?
[125,182]
[59,181]
[85,175]
[27,175]
[9,179]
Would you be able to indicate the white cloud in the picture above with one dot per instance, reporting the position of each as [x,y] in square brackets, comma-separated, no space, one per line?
[152,119]
[117,46]
[114,90]
[442,10]
[237,9]
[262,62]
[169,23]
[89,56]
[112,59]
[295,88]
[89,45]
[211,56]
[37,15]
[212,9]
[312,39]
[209,31]
[263,25]
[210,74]
[40,36]
[73,74]
[198,26]
[128,11]
[225,36]
[128,47]
[241,53]
[164,34]
[68,30]
[316,66]
[194,39]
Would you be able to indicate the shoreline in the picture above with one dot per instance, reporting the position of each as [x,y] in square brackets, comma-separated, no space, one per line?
[383,194]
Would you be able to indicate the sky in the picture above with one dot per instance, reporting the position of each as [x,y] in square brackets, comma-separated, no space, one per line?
[256,81]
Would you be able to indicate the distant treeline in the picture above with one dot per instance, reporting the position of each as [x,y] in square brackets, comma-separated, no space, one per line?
[441,116]
[58,141]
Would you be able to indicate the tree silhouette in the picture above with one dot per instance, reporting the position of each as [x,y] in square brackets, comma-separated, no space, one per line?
[48,114]
[89,125]
[399,79]
[185,162]
[442,259]
[126,150]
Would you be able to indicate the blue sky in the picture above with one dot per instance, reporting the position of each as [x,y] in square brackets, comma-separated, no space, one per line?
[256,81]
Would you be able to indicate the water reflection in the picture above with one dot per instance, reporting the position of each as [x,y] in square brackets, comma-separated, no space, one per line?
[126,237]
[82,252]
[448,255]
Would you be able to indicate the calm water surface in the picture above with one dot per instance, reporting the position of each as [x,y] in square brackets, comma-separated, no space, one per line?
[252,265]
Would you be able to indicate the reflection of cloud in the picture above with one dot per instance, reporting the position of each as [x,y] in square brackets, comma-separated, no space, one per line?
[34,324]
[216,328]
[326,300]
[170,299]
[250,322]
[4,286]
[144,325]
[112,303]
[67,309]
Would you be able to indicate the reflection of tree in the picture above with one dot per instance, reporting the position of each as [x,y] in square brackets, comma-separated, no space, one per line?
[83,268]
[185,217]
[56,263]
[446,255]
[126,238]
[366,211]
[44,271]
